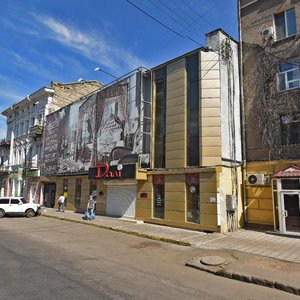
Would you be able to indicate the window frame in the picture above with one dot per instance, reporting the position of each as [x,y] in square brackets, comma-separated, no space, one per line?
[286,27]
[287,122]
[285,74]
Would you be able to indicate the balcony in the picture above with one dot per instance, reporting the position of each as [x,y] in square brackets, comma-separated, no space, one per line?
[4,143]
[4,170]
[32,164]
[36,130]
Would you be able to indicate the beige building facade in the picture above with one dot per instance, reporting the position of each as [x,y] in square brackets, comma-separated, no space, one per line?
[270,70]
[196,154]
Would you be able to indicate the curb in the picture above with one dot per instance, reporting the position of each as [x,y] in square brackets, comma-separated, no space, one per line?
[221,271]
[138,234]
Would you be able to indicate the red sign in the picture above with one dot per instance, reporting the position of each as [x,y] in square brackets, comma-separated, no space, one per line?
[106,172]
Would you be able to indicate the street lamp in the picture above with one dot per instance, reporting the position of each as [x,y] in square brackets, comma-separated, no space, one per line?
[98,69]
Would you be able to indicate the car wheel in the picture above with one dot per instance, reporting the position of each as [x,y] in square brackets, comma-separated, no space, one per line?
[2,213]
[30,213]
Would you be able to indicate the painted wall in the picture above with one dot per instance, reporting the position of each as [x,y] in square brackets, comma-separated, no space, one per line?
[102,127]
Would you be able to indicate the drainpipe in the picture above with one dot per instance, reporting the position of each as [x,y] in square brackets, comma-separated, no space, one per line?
[243,121]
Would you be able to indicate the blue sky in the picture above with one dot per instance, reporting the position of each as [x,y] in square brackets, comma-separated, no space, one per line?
[65,40]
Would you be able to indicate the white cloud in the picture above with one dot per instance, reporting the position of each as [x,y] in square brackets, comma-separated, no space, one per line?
[96,47]
[23,63]
[9,95]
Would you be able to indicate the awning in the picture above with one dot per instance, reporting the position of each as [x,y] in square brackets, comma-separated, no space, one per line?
[289,172]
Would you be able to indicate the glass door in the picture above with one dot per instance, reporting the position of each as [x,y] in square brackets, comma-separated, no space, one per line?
[290,212]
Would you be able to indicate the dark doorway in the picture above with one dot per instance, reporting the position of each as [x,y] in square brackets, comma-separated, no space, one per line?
[49,194]
[292,208]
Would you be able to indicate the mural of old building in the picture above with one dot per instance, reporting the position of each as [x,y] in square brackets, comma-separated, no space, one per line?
[21,151]
[271,80]
[95,144]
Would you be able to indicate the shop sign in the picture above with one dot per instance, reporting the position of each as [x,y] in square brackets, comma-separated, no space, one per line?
[159,201]
[33,173]
[104,171]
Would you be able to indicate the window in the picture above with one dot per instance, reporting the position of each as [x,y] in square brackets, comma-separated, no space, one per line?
[21,128]
[93,187]
[65,190]
[26,126]
[4,201]
[290,129]
[14,201]
[78,192]
[290,184]
[285,24]
[159,196]
[192,110]
[289,75]
[160,119]
[16,130]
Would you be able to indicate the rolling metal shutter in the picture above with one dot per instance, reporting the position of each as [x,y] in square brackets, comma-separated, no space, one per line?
[121,200]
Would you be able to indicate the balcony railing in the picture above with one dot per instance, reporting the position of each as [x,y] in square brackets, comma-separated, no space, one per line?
[4,170]
[32,164]
[4,143]
[36,130]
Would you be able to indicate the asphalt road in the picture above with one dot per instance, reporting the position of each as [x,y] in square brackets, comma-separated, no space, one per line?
[43,258]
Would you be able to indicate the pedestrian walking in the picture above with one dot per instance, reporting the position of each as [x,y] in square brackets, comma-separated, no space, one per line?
[61,203]
[90,210]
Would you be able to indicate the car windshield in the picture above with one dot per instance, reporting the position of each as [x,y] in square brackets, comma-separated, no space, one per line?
[23,200]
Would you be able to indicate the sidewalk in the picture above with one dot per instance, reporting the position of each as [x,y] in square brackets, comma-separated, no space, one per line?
[249,256]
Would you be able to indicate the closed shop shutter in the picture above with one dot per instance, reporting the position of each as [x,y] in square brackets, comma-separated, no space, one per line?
[121,200]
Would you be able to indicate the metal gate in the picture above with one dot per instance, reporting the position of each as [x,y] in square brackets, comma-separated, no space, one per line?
[121,200]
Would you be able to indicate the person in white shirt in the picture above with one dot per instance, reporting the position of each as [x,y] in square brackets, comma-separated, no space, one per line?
[61,203]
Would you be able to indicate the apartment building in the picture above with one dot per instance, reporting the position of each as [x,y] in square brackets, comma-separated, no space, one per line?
[22,149]
[271,79]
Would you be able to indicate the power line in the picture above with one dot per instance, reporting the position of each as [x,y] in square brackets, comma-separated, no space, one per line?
[153,18]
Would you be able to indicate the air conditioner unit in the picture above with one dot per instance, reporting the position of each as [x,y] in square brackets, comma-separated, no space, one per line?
[256,179]
[267,33]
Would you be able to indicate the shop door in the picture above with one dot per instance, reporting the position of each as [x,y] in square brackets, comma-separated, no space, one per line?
[121,201]
[49,194]
[291,212]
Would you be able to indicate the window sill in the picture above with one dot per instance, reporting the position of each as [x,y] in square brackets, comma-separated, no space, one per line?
[285,39]
[292,89]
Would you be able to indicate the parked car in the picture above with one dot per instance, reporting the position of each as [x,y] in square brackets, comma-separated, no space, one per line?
[18,206]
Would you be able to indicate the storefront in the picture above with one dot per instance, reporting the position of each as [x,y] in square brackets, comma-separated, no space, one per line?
[193,199]
[286,200]
[119,189]
[33,186]
[17,182]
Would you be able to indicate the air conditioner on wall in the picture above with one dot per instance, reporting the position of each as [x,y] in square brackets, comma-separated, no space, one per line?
[267,32]
[256,179]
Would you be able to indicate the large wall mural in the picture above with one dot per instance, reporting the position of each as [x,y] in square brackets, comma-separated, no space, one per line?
[104,127]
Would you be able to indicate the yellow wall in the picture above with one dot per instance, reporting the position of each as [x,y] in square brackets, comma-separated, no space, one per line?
[175,200]
[85,193]
[210,109]
[259,198]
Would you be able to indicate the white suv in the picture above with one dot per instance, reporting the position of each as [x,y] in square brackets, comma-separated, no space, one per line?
[18,206]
